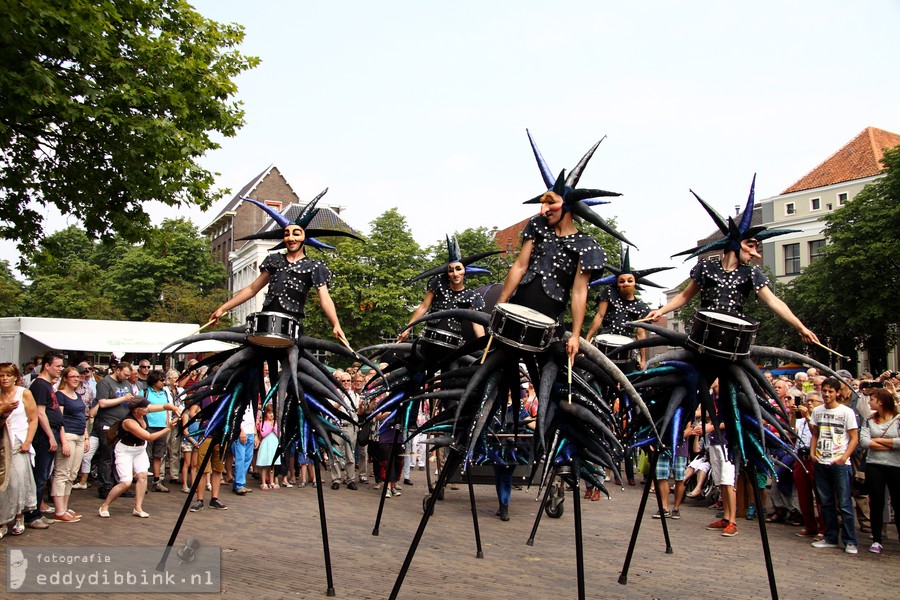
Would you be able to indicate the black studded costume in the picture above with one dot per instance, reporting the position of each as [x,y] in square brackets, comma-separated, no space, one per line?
[620,311]
[290,282]
[554,262]
[446,299]
[726,291]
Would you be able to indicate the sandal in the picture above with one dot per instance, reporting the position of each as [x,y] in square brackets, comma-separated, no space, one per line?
[286,484]
[264,486]
[776,518]
[104,512]
[805,532]
[819,537]
[185,490]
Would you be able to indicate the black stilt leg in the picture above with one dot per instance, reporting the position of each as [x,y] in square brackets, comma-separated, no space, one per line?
[321,497]
[540,512]
[161,566]
[454,459]
[478,552]
[761,518]
[623,577]
[579,546]
[392,456]
[659,504]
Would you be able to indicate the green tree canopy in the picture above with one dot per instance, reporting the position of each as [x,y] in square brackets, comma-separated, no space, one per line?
[368,288]
[172,277]
[11,292]
[107,105]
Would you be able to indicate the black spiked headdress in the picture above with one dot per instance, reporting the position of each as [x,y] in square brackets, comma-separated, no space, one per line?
[454,254]
[303,220]
[577,201]
[734,232]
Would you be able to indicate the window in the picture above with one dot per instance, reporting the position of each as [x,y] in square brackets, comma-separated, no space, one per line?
[815,204]
[789,208]
[842,198]
[816,250]
[792,259]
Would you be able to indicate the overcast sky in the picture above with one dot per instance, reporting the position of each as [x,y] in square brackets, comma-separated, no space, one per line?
[423,105]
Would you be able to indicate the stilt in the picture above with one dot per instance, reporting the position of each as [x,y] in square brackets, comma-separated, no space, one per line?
[392,456]
[454,459]
[478,552]
[763,534]
[540,512]
[623,577]
[161,566]
[662,515]
[324,524]
[579,544]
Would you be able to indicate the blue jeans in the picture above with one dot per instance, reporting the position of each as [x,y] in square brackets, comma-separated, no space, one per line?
[243,456]
[833,483]
[503,481]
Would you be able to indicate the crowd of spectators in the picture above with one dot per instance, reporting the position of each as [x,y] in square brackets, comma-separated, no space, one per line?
[119,432]
[834,485]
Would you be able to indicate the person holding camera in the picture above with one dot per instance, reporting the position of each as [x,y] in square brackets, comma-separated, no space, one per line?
[131,452]
[880,435]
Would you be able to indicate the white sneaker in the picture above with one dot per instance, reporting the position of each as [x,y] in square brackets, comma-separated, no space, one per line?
[387,493]
[825,544]
[79,486]
[851,549]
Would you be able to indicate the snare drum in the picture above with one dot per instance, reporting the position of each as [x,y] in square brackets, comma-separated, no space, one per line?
[273,329]
[521,327]
[442,337]
[608,342]
[721,334]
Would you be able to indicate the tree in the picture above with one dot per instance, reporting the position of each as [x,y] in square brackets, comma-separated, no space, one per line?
[851,292]
[369,290]
[11,292]
[172,277]
[174,253]
[108,105]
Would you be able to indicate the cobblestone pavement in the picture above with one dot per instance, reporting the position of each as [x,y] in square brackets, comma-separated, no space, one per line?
[271,548]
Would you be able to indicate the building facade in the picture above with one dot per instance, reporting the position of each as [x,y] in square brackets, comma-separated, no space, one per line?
[823,190]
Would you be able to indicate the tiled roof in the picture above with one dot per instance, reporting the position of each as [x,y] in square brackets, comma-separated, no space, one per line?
[858,159]
[511,237]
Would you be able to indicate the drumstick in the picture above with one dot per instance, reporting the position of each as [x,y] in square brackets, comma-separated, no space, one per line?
[486,348]
[202,327]
[644,320]
[346,343]
[570,380]
[824,347]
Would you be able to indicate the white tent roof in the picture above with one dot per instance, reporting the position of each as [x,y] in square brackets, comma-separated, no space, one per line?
[90,335]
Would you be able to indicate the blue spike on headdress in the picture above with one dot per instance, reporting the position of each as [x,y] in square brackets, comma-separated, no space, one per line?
[748,210]
[277,216]
[546,173]
[454,254]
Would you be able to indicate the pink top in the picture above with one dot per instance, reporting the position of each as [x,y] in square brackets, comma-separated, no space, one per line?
[266,428]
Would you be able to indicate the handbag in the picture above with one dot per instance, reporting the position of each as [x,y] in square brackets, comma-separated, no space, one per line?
[364,434]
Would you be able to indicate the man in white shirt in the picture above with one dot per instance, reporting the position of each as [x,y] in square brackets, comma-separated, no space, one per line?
[835,434]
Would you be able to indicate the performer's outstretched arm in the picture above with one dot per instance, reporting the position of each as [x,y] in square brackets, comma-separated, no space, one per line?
[677,302]
[516,271]
[330,312]
[782,310]
[241,297]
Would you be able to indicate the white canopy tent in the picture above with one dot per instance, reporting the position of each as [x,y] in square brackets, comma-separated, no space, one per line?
[28,336]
